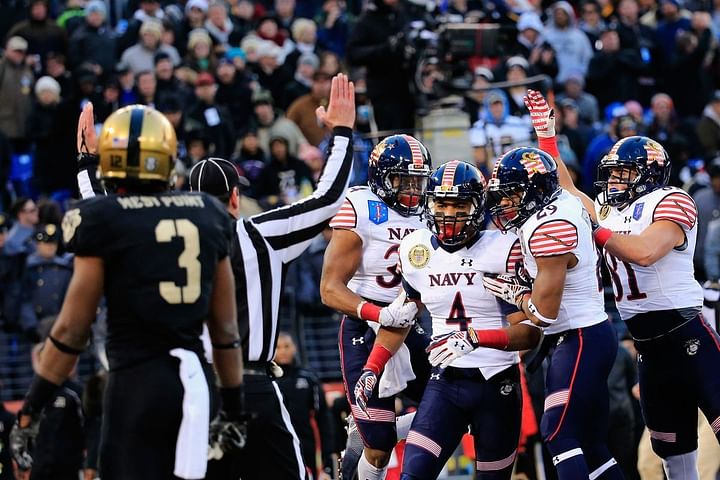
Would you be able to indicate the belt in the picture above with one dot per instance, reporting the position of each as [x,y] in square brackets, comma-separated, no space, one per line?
[262,369]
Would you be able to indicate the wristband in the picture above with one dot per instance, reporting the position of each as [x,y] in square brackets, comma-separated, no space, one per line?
[40,393]
[368,311]
[536,313]
[602,235]
[496,338]
[378,359]
[63,347]
[549,145]
[233,401]
[237,343]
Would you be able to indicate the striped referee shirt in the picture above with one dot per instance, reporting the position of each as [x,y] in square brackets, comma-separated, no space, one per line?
[267,242]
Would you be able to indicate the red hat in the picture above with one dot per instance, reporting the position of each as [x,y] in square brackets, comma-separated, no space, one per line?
[204,79]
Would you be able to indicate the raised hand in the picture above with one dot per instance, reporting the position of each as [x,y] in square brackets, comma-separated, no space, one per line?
[341,107]
[542,116]
[86,137]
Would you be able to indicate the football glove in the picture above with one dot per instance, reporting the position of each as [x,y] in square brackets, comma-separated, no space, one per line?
[446,348]
[226,435]
[509,288]
[22,442]
[398,314]
[364,388]
[542,116]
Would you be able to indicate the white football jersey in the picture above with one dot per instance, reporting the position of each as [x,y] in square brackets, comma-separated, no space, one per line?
[381,229]
[670,282]
[563,226]
[450,286]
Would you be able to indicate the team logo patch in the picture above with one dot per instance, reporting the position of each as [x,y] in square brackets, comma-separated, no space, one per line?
[71,221]
[637,213]
[532,163]
[151,164]
[377,212]
[654,153]
[419,256]
[506,388]
[604,212]
[692,346]
[377,151]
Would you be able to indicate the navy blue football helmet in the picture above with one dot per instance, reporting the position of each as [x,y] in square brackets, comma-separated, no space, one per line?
[455,180]
[398,169]
[639,163]
[528,178]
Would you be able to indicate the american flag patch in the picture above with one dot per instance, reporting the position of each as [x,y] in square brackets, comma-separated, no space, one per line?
[556,237]
[532,163]
[415,150]
[654,153]
[677,207]
[346,216]
[514,257]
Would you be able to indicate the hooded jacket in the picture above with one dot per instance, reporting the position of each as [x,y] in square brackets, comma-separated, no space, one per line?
[572,47]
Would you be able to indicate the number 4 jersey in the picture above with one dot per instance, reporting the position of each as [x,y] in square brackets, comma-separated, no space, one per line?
[381,229]
[563,226]
[160,254]
[670,282]
[449,284]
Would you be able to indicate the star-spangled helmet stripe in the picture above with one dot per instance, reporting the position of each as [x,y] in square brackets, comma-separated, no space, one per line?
[415,150]
[449,173]
[533,164]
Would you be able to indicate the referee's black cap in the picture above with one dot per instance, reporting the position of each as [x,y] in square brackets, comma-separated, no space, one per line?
[217,177]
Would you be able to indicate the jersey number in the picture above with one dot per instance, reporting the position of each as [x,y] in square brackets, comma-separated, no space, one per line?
[457,314]
[396,275]
[635,293]
[165,231]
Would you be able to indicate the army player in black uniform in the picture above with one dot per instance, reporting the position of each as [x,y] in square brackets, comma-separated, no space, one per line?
[161,259]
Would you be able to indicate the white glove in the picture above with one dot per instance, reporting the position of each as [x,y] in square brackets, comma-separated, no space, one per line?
[542,116]
[506,287]
[447,348]
[398,314]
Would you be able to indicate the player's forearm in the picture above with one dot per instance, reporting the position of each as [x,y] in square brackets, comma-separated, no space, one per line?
[522,337]
[544,302]
[336,295]
[391,338]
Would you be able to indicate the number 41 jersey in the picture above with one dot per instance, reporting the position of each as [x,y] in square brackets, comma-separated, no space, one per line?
[670,282]
[160,253]
[381,229]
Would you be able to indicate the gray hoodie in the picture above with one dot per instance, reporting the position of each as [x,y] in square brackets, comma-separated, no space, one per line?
[572,46]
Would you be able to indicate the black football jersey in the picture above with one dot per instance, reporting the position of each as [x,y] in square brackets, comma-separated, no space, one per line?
[160,254]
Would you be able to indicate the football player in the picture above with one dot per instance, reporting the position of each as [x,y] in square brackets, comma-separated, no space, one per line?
[476,380]
[566,300]
[161,260]
[648,232]
[361,280]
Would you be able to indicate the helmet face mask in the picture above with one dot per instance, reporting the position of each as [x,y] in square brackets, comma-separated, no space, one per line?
[459,187]
[634,167]
[523,181]
[397,173]
[137,149]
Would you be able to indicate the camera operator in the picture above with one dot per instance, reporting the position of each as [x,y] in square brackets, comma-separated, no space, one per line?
[379,43]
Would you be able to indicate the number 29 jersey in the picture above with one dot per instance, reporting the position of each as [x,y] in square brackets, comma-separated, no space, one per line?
[160,253]
[670,282]
[450,286]
[380,229]
[561,227]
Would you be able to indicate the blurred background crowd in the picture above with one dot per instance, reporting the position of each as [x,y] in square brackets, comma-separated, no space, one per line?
[241,79]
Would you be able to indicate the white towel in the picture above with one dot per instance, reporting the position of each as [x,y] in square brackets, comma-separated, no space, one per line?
[192,442]
[398,371]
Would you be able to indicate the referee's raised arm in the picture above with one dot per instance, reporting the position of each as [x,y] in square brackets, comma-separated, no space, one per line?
[289,230]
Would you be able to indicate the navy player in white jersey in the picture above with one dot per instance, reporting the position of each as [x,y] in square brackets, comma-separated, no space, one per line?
[648,232]
[476,380]
[360,279]
[566,300]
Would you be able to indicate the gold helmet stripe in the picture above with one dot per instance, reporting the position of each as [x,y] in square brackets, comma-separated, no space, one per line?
[134,131]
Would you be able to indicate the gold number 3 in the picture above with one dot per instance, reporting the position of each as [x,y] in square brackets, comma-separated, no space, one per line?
[188,259]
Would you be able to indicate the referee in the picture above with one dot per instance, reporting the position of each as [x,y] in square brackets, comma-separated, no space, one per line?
[265,244]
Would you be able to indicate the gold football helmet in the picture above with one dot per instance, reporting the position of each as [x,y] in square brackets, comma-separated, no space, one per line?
[137,145]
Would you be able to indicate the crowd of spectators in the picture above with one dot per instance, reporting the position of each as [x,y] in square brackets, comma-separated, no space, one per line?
[241,79]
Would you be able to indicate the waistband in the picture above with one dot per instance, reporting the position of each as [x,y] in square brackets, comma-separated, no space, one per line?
[654,325]
[475,374]
[255,368]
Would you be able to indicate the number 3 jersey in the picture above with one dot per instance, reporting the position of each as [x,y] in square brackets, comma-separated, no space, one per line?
[380,228]
[563,226]
[670,282]
[450,286]
[160,254]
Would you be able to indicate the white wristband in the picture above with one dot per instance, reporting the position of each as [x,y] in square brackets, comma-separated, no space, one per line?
[535,313]
[359,307]
[530,323]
